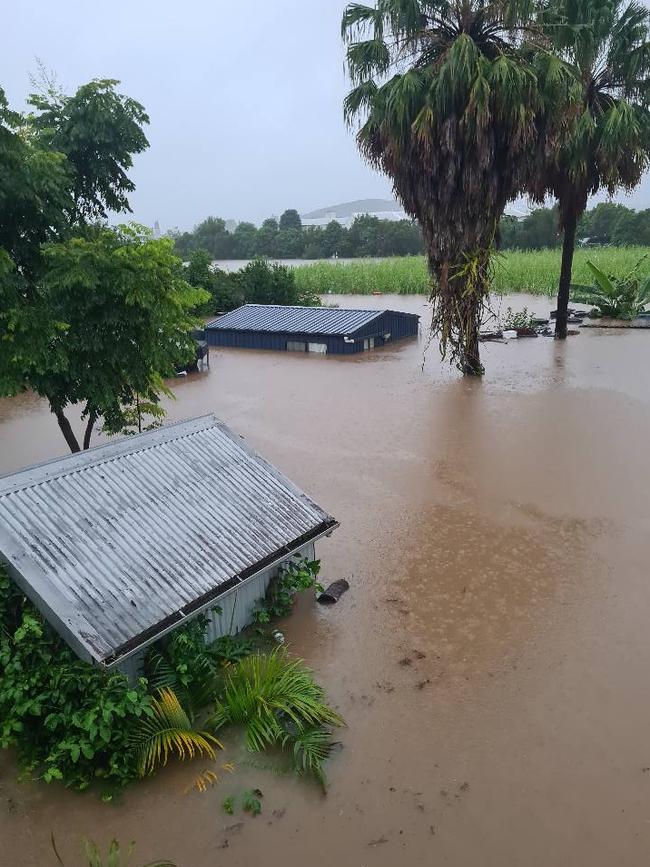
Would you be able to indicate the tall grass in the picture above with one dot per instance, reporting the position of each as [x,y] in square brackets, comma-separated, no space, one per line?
[536,272]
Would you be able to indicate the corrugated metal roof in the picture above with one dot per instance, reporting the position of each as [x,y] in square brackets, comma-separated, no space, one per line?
[113,542]
[295,320]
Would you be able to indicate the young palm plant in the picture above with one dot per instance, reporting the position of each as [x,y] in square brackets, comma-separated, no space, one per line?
[604,43]
[449,109]
[169,731]
[277,703]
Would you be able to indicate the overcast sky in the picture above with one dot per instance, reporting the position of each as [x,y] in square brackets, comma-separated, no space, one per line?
[244,98]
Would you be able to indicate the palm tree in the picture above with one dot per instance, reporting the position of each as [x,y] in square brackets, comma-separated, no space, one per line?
[448,104]
[604,43]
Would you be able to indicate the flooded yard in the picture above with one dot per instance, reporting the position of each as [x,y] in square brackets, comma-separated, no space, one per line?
[491,658]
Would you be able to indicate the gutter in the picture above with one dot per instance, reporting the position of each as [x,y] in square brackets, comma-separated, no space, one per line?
[188,612]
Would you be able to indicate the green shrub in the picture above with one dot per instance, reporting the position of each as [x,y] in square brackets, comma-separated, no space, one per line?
[68,720]
[278,703]
[262,282]
[293,577]
[618,297]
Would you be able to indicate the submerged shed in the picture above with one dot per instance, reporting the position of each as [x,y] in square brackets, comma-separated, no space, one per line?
[122,543]
[330,330]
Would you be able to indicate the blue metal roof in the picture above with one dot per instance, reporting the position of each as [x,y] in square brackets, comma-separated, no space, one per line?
[296,320]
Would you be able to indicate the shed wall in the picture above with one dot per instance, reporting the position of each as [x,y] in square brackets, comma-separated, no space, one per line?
[237,606]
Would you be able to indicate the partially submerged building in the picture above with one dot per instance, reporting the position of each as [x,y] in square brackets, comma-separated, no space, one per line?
[330,330]
[121,544]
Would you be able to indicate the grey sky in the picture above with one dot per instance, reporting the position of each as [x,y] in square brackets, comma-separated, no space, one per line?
[244,98]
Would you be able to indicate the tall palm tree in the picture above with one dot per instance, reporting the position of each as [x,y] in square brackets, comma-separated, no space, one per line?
[448,104]
[605,45]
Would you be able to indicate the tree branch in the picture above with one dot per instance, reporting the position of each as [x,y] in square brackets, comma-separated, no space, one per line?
[90,424]
[66,429]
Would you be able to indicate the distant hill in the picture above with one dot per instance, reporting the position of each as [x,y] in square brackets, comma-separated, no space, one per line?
[349,209]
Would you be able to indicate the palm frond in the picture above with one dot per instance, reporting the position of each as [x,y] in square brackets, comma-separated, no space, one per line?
[263,690]
[368,58]
[168,731]
[310,747]
[209,778]
[357,17]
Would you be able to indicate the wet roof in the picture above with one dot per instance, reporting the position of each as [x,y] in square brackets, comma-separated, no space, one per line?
[296,320]
[117,544]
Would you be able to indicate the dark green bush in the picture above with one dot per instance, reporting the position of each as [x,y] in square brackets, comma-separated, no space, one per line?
[67,720]
[262,282]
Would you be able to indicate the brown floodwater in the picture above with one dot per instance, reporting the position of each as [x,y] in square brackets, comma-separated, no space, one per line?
[491,658]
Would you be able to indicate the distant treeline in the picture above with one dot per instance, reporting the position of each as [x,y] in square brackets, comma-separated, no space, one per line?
[368,236]
[287,238]
[606,223]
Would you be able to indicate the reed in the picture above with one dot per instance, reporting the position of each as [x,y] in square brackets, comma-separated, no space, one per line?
[535,272]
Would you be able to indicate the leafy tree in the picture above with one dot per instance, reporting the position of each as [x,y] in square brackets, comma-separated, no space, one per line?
[245,241]
[604,43]
[109,319]
[290,219]
[221,288]
[266,237]
[453,127]
[35,194]
[88,315]
[600,223]
[289,244]
[261,282]
[211,235]
[98,130]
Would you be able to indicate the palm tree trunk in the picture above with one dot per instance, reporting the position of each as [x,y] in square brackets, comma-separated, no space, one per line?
[472,361]
[568,247]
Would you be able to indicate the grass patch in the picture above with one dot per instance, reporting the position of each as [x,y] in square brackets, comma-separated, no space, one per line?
[535,272]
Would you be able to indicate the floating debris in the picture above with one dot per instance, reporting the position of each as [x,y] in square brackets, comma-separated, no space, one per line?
[334,592]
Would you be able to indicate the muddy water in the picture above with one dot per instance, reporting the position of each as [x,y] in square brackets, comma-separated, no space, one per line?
[491,658]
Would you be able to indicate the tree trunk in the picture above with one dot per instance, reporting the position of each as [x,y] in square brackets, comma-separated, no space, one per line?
[66,429]
[92,418]
[570,225]
[471,361]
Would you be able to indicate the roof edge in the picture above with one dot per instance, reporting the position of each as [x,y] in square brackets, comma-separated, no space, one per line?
[102,452]
[193,609]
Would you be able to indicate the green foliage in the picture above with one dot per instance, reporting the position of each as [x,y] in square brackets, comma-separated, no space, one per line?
[168,731]
[533,272]
[115,856]
[89,316]
[605,47]
[228,805]
[223,293]
[367,236]
[311,747]
[455,126]
[293,577]
[277,702]
[192,668]
[111,318]
[517,319]
[98,130]
[251,802]
[618,297]
[290,219]
[67,720]
[261,282]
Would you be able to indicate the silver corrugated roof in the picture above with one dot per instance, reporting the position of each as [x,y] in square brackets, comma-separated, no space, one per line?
[297,320]
[118,543]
